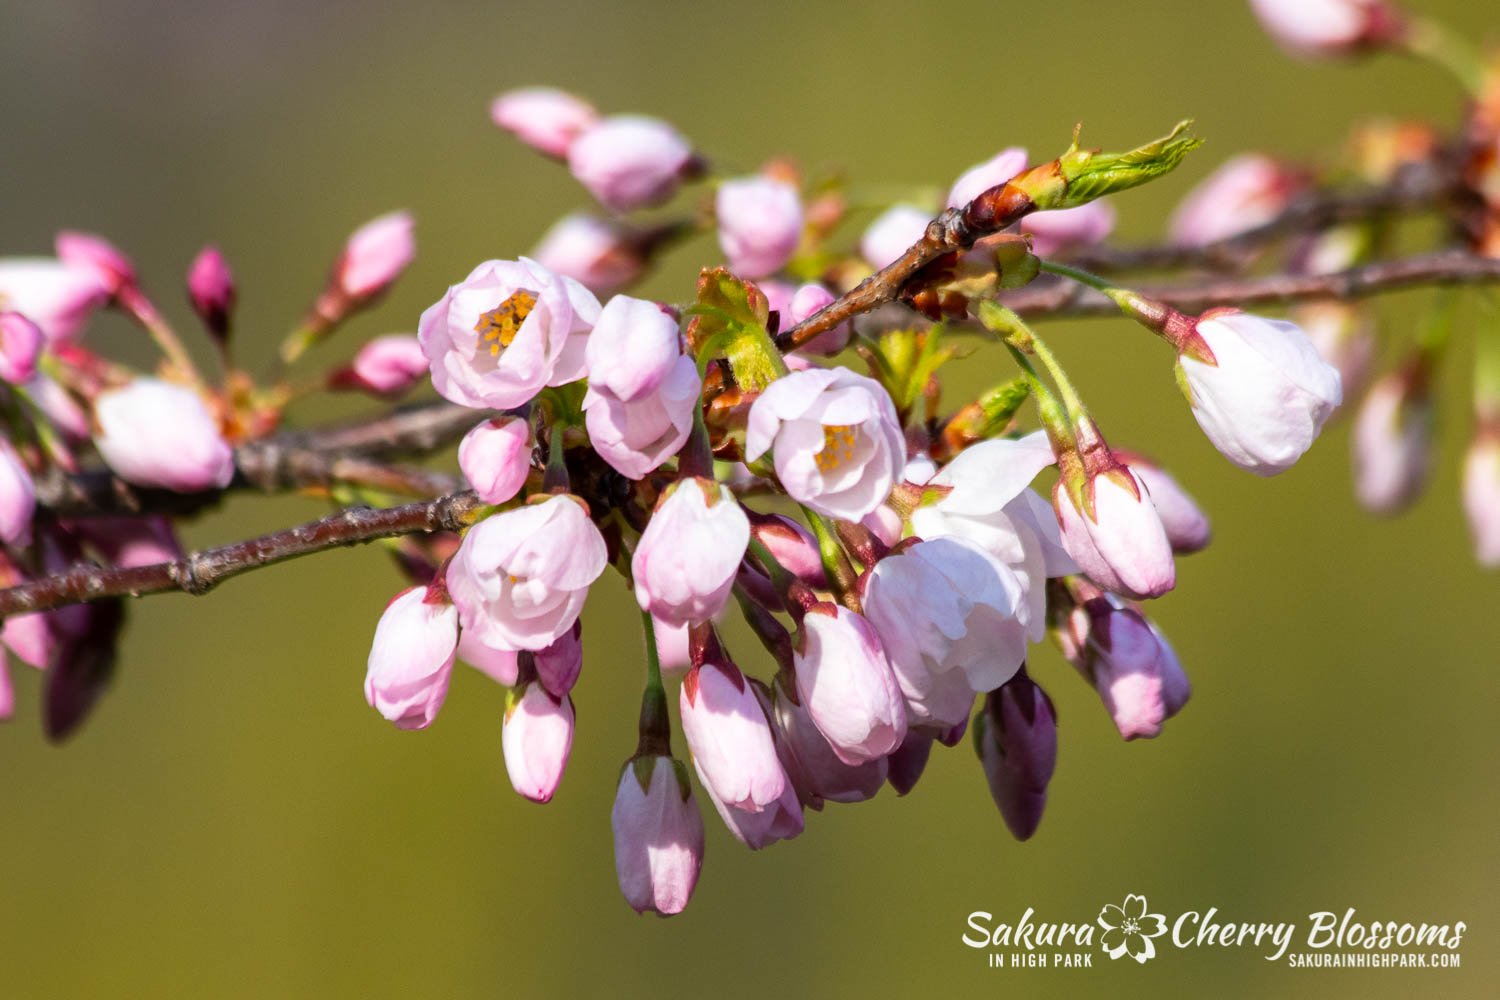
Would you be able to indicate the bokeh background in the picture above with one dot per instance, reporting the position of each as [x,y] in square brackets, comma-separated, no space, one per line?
[234,821]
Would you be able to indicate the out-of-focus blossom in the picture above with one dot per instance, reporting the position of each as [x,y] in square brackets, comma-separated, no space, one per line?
[411,659]
[685,563]
[59,406]
[892,232]
[544,118]
[17,498]
[94,253]
[846,684]
[385,366]
[1069,228]
[1016,736]
[1244,192]
[126,542]
[210,287]
[520,577]
[495,457]
[1135,671]
[945,606]
[1481,492]
[375,255]
[156,433]
[58,297]
[1320,28]
[836,441]
[1186,525]
[658,835]
[731,741]
[760,224]
[1112,530]
[1344,336]
[1392,442]
[537,738]
[595,252]
[21,343]
[630,161]
[508,330]
[806,301]
[1263,394]
[982,176]
[793,546]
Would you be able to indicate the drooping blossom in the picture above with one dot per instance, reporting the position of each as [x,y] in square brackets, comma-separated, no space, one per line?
[814,767]
[1016,736]
[156,433]
[953,620]
[658,835]
[495,457]
[521,576]
[1130,664]
[730,739]
[685,563]
[597,253]
[760,224]
[375,255]
[1185,523]
[1261,393]
[537,737]
[630,161]
[1112,530]
[847,685]
[411,658]
[508,330]
[544,118]
[836,441]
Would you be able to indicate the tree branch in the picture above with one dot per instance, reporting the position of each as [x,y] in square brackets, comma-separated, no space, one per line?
[199,572]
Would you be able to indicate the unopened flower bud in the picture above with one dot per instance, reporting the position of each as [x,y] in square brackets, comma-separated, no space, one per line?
[760,224]
[847,686]
[1392,441]
[892,233]
[108,262]
[658,835]
[1186,525]
[537,738]
[685,563]
[544,118]
[630,161]
[907,762]
[983,176]
[385,367]
[558,665]
[1322,28]
[156,433]
[82,667]
[1069,228]
[730,738]
[1112,530]
[806,301]
[21,343]
[211,291]
[496,457]
[411,658]
[1130,664]
[1016,737]
[58,297]
[820,772]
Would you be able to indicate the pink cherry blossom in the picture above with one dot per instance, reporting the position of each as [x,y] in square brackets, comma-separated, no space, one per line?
[1323,27]
[730,738]
[760,224]
[411,659]
[1117,536]
[982,176]
[156,433]
[544,118]
[385,366]
[537,738]
[58,297]
[21,343]
[17,498]
[375,255]
[658,834]
[94,253]
[1244,192]
[892,232]
[495,457]
[211,290]
[558,665]
[598,253]
[847,686]
[685,562]
[629,161]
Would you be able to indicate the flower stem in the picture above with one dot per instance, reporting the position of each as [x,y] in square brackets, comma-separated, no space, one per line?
[835,560]
[655,725]
[1435,42]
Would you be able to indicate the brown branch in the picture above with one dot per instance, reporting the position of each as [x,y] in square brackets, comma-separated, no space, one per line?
[199,572]
[1058,299]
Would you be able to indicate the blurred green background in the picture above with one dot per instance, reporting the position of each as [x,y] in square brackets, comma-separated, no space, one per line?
[235,821]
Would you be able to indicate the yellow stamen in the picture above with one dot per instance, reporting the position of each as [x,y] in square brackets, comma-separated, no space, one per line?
[500,325]
[838,446]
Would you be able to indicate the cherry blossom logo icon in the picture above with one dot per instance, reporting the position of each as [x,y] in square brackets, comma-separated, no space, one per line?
[1128,929]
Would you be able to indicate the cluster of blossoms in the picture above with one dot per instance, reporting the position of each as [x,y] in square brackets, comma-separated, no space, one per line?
[775,449]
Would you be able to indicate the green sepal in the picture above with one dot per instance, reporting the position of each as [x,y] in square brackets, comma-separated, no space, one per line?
[730,318]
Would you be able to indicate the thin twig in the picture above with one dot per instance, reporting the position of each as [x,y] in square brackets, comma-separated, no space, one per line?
[199,572]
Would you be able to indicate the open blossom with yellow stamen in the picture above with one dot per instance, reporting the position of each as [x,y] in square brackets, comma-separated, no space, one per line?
[507,331]
[834,437]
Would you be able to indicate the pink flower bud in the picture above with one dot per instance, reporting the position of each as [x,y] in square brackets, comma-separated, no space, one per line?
[386,366]
[411,659]
[1137,675]
[1392,443]
[155,433]
[520,577]
[21,343]
[793,546]
[816,768]
[500,665]
[496,457]
[780,820]
[7,694]
[1325,27]
[537,738]
[658,835]
[982,176]
[731,740]
[60,407]
[847,686]
[58,297]
[685,562]
[1481,493]
[836,439]
[633,348]
[1264,396]
[760,224]
[505,332]
[1185,523]
[93,253]
[671,647]
[375,255]
[892,234]
[544,118]
[945,606]
[211,290]
[1069,228]
[1016,737]
[630,161]
[636,437]
[1344,336]
[1245,192]
[558,665]
[1117,536]
[808,300]
[909,760]
[590,250]
[17,498]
